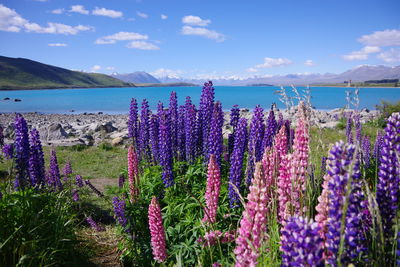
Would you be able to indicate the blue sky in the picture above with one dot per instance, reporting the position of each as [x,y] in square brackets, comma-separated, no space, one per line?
[203,39]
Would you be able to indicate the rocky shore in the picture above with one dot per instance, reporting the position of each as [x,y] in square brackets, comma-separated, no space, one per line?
[93,129]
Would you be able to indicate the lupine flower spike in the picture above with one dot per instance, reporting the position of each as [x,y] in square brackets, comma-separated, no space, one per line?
[119,211]
[78,180]
[212,191]
[252,230]
[21,146]
[36,160]
[133,174]
[301,244]
[158,243]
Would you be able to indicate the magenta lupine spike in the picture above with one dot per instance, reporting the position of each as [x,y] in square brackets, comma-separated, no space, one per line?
[322,207]
[212,191]
[173,115]
[253,225]
[133,174]
[299,160]
[284,183]
[269,161]
[157,232]
[301,244]
[215,138]
[387,189]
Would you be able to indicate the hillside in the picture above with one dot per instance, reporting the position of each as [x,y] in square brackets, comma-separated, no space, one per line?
[21,73]
[136,77]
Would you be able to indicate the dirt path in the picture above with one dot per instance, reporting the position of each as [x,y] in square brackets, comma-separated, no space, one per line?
[101,183]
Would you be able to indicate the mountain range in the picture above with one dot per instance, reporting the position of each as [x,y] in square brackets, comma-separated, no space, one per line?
[357,74]
[136,77]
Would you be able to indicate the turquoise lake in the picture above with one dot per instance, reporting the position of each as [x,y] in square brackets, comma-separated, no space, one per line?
[116,100]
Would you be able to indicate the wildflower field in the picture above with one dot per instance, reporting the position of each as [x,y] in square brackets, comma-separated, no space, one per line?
[274,192]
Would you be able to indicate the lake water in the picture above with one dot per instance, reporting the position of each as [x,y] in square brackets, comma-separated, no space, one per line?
[116,100]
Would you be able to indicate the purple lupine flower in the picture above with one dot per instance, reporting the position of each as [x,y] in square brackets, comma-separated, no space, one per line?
[36,160]
[144,136]
[235,172]
[378,145]
[54,171]
[119,211]
[21,146]
[67,170]
[270,130]
[181,133]
[255,141]
[358,127]
[234,120]
[94,225]
[215,139]
[349,133]
[205,113]
[154,137]
[301,243]
[387,189]
[323,165]
[345,192]
[366,151]
[165,150]
[133,125]
[121,181]
[173,115]
[8,151]
[75,195]
[1,137]
[280,122]
[190,130]
[94,189]
[78,180]
[160,107]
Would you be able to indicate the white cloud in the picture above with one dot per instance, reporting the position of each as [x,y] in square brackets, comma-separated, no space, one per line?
[79,9]
[195,20]
[381,38]
[361,54]
[161,73]
[252,70]
[121,36]
[110,68]
[57,44]
[309,63]
[142,15]
[143,45]
[164,16]
[95,68]
[57,11]
[11,21]
[107,12]
[274,62]
[199,31]
[390,56]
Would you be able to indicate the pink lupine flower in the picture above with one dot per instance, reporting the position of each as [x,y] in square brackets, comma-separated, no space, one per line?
[253,224]
[212,191]
[322,208]
[133,174]
[284,189]
[299,161]
[212,238]
[157,232]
